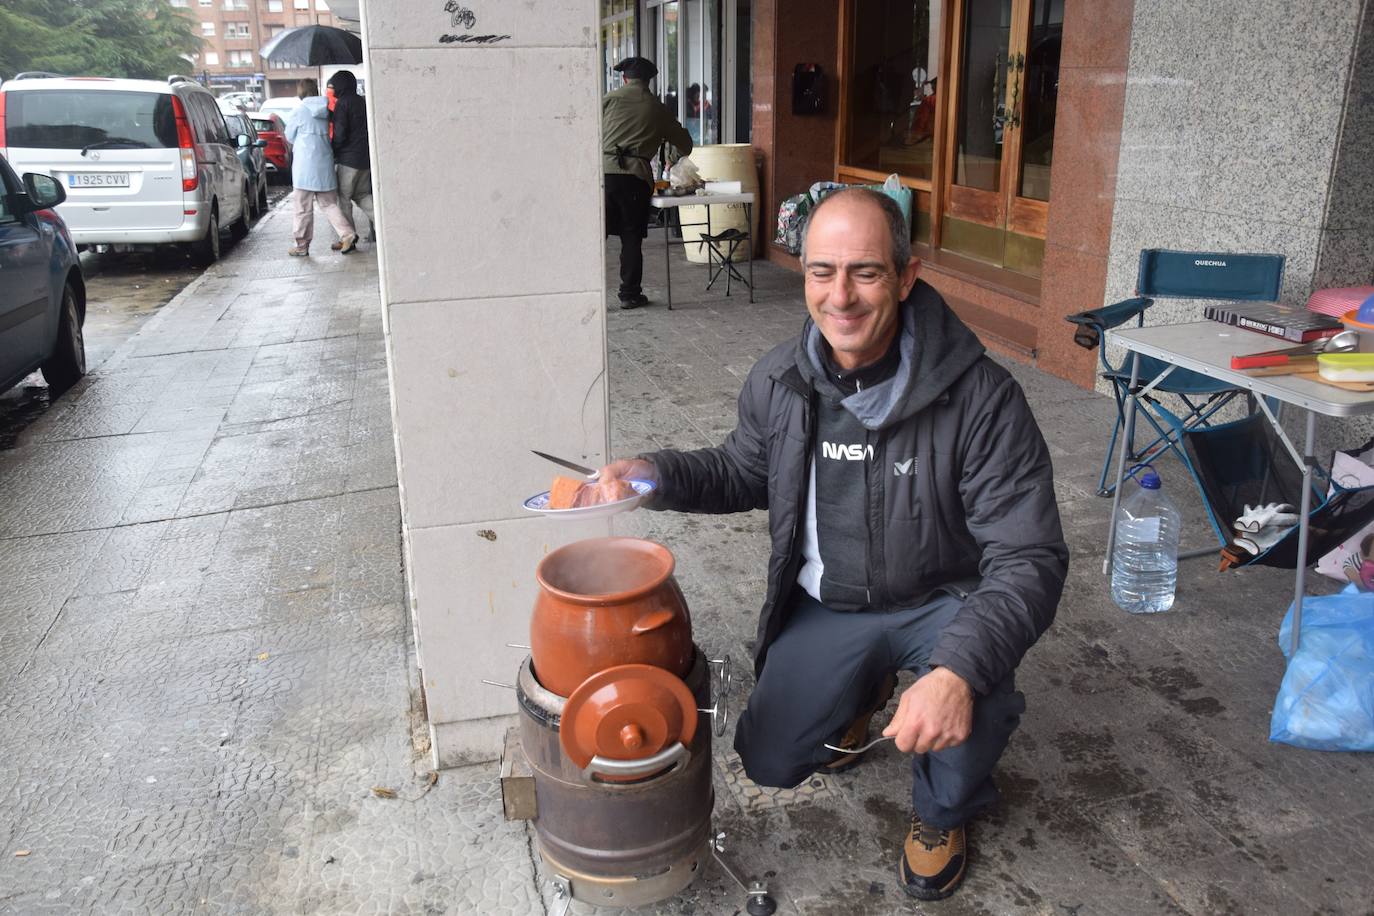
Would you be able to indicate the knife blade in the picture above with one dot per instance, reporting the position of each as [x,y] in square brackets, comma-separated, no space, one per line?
[570,465]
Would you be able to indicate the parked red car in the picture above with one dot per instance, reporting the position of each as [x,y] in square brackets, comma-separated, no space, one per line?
[271,128]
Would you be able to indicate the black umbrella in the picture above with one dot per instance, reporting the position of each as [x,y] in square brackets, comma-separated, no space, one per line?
[314,46]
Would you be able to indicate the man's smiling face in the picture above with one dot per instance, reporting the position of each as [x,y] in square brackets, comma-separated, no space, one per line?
[853,289]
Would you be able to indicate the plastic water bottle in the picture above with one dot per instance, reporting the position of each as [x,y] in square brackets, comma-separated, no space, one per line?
[1145,561]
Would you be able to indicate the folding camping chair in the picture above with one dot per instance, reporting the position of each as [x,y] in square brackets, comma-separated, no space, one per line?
[1174,275]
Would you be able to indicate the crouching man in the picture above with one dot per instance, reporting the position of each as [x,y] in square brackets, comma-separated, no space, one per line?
[914,528]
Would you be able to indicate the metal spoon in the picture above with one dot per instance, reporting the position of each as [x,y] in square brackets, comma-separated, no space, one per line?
[859,750]
[1343,342]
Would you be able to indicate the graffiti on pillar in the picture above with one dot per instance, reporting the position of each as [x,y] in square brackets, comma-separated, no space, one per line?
[471,39]
[460,17]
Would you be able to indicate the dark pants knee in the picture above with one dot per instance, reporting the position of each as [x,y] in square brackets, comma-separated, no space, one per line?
[820,671]
[825,669]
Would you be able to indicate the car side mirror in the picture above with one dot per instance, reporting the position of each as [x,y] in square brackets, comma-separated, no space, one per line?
[260,143]
[244,141]
[44,191]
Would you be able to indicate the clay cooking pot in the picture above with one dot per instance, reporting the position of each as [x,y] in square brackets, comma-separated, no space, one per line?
[604,602]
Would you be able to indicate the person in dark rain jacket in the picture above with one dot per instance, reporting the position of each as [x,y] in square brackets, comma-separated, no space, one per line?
[348,123]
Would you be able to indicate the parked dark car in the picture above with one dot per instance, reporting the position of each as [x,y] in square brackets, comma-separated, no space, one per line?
[42,291]
[272,128]
[251,151]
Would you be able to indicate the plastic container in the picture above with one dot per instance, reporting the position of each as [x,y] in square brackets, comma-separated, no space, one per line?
[1352,322]
[1346,367]
[721,162]
[1145,561]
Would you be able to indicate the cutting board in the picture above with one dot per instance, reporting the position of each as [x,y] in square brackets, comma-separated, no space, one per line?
[1308,371]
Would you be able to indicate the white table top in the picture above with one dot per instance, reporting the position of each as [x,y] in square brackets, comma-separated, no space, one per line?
[1207,347]
[701,200]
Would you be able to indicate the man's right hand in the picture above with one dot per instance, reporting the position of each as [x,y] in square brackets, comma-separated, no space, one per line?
[629,469]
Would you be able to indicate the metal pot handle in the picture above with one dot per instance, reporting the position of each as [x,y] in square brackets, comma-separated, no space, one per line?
[676,756]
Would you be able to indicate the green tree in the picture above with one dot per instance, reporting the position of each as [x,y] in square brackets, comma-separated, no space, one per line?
[124,38]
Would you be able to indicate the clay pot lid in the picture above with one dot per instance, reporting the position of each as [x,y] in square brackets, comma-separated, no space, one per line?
[604,571]
[626,712]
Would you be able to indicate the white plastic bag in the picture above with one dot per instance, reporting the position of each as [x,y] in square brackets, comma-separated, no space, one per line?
[684,173]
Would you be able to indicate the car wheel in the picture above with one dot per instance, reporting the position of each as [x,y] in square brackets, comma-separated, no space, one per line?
[239,228]
[262,196]
[67,364]
[253,212]
[206,251]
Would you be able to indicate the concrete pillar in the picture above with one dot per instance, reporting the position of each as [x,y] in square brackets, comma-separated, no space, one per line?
[485,120]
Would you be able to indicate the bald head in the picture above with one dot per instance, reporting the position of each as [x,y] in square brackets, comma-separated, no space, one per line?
[882,208]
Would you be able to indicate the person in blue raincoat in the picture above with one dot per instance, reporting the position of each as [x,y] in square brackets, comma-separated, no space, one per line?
[312,171]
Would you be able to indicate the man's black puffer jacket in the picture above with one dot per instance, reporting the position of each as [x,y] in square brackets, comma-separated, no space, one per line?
[979,518]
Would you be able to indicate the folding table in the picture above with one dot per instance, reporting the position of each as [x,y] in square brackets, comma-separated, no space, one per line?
[1206,347]
[707,201]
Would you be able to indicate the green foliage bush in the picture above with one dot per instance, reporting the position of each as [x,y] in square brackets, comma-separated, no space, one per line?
[122,38]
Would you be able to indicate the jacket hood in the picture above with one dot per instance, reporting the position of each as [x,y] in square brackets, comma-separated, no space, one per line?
[936,348]
[317,106]
[344,83]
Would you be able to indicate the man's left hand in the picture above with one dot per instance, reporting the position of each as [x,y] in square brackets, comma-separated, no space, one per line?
[935,713]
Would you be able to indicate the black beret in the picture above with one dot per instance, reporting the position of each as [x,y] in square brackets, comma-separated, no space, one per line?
[637,68]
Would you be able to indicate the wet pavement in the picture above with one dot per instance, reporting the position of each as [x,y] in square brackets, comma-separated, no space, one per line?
[123,289]
[206,670]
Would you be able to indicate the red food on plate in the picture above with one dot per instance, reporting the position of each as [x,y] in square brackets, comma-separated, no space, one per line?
[571,493]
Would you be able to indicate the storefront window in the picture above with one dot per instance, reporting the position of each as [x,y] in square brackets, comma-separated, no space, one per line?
[983,114]
[701,108]
[617,37]
[893,92]
[1042,94]
[667,54]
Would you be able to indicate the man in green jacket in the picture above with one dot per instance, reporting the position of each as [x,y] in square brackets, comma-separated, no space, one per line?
[633,125]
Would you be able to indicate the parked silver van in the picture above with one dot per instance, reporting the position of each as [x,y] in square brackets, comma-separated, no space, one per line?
[143,162]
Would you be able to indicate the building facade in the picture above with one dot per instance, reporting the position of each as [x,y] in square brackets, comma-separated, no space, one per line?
[1046,141]
[234,30]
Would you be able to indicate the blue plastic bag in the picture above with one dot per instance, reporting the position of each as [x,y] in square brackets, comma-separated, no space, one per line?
[1326,700]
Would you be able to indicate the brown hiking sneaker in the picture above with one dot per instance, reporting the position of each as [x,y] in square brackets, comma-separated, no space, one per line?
[857,735]
[933,860]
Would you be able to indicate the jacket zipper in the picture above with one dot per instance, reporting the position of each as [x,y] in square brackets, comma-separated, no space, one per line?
[877,566]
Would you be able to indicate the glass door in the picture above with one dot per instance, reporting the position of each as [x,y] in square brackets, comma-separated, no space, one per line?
[617,38]
[1006,77]
[689,65]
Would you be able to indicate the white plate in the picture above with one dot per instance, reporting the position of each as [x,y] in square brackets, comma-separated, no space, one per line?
[540,503]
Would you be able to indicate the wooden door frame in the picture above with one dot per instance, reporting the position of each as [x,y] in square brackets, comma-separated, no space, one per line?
[926,190]
[1008,209]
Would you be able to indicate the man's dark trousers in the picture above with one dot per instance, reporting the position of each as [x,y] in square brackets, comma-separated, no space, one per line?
[826,667]
[627,215]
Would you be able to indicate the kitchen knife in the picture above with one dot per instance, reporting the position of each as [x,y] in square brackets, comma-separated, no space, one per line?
[570,465]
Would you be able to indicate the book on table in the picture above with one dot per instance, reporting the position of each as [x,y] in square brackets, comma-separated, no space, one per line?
[1284,321]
